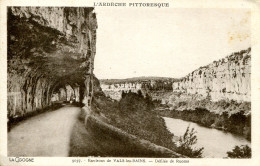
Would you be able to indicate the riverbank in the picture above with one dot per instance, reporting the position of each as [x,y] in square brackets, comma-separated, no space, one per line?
[216,143]
[237,123]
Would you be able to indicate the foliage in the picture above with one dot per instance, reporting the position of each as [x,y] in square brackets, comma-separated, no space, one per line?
[186,144]
[131,101]
[136,80]
[238,123]
[243,151]
[133,114]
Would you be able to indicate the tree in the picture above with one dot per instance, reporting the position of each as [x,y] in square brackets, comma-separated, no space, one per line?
[243,151]
[186,143]
[123,94]
[139,92]
[149,101]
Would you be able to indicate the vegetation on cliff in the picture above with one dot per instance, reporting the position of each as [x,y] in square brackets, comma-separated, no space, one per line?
[179,101]
[133,115]
[135,80]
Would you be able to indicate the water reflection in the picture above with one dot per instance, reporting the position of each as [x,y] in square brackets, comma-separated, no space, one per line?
[215,142]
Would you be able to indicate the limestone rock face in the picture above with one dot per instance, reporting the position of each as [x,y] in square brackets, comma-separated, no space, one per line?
[226,79]
[114,90]
[49,48]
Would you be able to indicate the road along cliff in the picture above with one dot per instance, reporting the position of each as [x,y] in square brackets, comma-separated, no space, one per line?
[50,56]
[50,53]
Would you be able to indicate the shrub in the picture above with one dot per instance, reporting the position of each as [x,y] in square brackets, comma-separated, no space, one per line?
[186,144]
[243,151]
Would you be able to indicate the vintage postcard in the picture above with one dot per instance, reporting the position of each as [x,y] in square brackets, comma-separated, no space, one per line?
[130,83]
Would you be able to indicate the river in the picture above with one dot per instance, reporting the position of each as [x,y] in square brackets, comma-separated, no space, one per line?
[215,142]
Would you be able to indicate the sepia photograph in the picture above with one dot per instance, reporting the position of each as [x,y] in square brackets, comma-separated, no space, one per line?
[166,95]
[129,83]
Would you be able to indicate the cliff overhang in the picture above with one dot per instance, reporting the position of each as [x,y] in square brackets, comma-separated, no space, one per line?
[49,48]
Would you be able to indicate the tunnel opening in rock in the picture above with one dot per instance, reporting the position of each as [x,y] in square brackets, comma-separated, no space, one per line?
[66,93]
[50,57]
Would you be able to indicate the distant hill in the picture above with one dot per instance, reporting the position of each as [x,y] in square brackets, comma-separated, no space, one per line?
[136,79]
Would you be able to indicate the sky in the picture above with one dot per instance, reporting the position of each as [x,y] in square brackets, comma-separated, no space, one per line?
[133,42]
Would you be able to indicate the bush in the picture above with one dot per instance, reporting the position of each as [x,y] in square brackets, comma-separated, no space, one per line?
[243,151]
[133,114]
[131,102]
[186,144]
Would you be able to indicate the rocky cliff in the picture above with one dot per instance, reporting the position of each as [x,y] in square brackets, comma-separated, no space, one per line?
[114,89]
[223,85]
[49,49]
[217,95]
[226,79]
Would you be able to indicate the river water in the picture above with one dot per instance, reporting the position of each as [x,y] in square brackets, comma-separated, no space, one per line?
[215,142]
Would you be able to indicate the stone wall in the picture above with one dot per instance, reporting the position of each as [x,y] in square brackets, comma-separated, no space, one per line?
[48,47]
[226,79]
